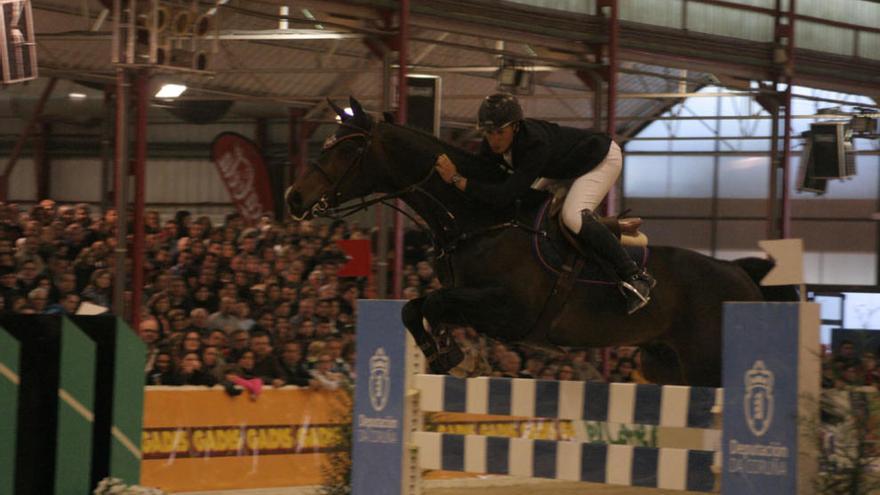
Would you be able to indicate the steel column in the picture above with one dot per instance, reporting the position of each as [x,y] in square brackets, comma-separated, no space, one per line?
[381,214]
[608,9]
[403,52]
[140,166]
[786,151]
[120,178]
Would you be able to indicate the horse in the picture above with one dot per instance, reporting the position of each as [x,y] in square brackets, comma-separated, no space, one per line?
[489,275]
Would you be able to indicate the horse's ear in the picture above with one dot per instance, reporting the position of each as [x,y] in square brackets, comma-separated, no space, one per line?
[339,111]
[356,107]
[389,117]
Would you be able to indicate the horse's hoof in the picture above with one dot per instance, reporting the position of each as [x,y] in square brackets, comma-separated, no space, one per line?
[437,368]
[449,358]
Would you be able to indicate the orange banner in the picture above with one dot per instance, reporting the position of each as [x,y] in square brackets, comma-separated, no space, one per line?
[500,426]
[202,439]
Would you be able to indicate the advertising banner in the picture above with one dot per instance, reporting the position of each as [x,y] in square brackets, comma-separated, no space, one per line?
[357,251]
[195,438]
[377,431]
[241,167]
[770,380]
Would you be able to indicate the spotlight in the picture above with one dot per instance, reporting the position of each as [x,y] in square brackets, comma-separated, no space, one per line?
[170,91]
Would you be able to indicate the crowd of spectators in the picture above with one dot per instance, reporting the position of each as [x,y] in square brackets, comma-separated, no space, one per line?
[849,367]
[236,305]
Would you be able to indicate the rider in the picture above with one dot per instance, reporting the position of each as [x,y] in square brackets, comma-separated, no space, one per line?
[537,153]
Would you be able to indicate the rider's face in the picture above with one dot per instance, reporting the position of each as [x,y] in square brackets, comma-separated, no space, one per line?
[500,139]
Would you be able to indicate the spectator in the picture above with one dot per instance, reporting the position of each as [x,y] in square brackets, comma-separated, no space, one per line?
[323,374]
[533,367]
[334,346]
[178,320]
[162,372]
[148,331]
[39,299]
[293,368]
[190,372]
[266,365]
[189,342]
[213,363]
[584,371]
[238,340]
[510,365]
[67,305]
[624,370]
[226,316]
[565,372]
[198,319]
[99,290]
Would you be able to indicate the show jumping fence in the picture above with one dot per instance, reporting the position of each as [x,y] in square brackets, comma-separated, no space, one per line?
[669,406]
[771,376]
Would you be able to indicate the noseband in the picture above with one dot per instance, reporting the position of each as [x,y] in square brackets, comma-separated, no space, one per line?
[328,204]
[323,205]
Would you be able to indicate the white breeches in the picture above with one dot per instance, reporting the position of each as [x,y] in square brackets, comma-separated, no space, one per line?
[588,190]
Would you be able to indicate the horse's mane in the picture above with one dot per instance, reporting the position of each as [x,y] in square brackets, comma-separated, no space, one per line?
[469,164]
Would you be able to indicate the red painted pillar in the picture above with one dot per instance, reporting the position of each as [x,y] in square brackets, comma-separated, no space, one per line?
[611,14]
[120,189]
[786,146]
[140,166]
[403,52]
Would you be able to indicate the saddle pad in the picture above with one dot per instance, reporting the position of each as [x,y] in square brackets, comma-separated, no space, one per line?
[552,251]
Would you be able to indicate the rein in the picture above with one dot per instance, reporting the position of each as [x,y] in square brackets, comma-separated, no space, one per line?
[323,208]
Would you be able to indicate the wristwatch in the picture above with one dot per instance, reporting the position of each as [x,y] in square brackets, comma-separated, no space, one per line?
[455,178]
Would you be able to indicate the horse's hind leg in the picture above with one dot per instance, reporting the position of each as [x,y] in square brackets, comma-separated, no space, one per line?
[440,358]
[660,364]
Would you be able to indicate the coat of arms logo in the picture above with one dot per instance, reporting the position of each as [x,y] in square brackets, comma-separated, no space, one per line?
[758,398]
[380,381]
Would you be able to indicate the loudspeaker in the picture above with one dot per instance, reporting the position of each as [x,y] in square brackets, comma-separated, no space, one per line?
[828,155]
[174,34]
[423,103]
[18,50]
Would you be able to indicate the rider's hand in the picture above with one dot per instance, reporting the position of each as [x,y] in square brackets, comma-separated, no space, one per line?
[446,168]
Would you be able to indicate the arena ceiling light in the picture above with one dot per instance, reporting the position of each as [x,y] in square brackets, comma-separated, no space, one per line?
[170,90]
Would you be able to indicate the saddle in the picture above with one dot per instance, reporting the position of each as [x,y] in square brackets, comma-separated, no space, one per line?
[561,252]
[565,257]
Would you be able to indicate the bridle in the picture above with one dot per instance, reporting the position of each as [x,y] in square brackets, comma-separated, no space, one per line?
[328,204]
[323,205]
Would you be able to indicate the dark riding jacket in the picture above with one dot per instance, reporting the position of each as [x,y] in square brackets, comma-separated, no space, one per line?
[540,149]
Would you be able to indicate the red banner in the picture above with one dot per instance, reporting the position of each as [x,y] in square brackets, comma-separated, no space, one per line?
[359,257]
[241,166]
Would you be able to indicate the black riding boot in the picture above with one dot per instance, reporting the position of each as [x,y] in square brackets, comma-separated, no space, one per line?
[635,283]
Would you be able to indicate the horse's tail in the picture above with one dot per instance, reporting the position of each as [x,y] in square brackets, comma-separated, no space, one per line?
[757,268]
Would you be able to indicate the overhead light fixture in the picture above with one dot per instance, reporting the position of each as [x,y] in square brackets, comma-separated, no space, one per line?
[170,91]
[76,96]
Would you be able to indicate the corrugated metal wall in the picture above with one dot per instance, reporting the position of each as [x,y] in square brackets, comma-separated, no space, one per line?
[752,26]
[168,181]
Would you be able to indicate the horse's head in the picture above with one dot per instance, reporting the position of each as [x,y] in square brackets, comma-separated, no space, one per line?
[339,175]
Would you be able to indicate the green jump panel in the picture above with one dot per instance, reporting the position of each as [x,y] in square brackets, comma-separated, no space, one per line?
[9,378]
[39,338]
[128,404]
[120,397]
[75,411]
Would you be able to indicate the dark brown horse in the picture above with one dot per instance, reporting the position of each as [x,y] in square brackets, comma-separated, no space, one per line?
[490,278]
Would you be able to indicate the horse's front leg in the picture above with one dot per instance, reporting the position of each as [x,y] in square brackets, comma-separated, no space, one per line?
[440,360]
[485,309]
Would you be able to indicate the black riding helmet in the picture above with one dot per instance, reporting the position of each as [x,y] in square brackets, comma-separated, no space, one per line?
[499,110]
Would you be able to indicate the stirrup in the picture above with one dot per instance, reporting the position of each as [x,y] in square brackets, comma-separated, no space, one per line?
[635,300]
